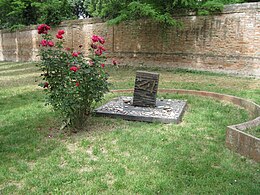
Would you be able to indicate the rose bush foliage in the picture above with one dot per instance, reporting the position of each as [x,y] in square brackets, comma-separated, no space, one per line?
[73,82]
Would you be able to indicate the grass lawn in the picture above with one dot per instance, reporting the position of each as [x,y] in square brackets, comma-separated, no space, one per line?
[113,156]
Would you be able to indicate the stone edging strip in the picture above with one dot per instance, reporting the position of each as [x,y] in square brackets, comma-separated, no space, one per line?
[236,139]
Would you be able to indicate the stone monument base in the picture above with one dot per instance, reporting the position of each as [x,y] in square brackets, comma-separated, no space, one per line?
[166,110]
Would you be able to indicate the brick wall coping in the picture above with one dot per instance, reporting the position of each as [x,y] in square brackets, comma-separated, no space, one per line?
[241,7]
[236,139]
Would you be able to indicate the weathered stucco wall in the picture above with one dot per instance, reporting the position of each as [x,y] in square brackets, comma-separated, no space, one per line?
[228,42]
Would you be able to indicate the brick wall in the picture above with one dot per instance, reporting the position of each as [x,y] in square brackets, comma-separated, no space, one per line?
[227,42]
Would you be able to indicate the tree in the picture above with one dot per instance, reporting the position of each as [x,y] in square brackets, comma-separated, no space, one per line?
[17,13]
[158,10]
[12,12]
[52,12]
[79,8]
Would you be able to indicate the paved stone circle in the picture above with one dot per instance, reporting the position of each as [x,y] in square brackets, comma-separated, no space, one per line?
[165,111]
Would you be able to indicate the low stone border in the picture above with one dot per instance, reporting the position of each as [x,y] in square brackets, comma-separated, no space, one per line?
[236,139]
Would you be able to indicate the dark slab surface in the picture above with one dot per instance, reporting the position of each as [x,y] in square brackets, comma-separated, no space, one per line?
[145,91]
[166,111]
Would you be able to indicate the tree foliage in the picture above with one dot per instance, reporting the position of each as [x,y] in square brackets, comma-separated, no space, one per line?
[52,12]
[17,13]
[79,8]
[158,10]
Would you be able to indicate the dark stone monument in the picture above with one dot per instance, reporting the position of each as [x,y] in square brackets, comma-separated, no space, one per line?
[146,86]
[144,106]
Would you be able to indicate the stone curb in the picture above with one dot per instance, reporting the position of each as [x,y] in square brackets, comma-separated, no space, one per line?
[236,139]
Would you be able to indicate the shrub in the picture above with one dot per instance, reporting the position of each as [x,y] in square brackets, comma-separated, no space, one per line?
[73,83]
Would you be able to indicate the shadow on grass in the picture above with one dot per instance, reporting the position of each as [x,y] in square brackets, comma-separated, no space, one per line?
[24,126]
[15,72]
[8,104]
[5,66]
[22,144]
[20,81]
[24,141]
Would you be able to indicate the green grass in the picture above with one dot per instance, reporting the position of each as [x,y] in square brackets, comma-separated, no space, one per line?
[255,131]
[113,156]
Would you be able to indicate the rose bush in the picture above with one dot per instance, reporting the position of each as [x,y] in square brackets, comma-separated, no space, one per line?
[73,82]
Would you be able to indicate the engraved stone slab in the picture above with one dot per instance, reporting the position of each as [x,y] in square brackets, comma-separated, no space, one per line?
[145,91]
[166,110]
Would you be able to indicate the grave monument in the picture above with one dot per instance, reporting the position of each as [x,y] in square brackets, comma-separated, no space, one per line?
[144,106]
[146,86]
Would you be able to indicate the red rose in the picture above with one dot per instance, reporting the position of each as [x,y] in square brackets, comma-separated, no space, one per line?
[44,42]
[74,68]
[77,84]
[43,29]
[61,32]
[101,40]
[75,54]
[114,62]
[101,48]
[98,52]
[102,65]
[94,46]
[59,36]
[95,38]
[50,43]
[68,49]
[46,85]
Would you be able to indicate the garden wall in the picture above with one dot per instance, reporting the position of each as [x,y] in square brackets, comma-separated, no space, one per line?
[227,42]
